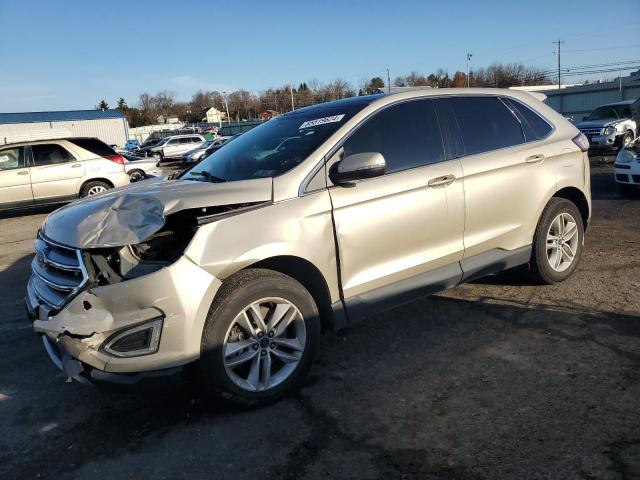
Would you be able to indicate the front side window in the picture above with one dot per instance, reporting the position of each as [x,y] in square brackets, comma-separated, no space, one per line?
[277,145]
[486,124]
[407,135]
[11,158]
[50,154]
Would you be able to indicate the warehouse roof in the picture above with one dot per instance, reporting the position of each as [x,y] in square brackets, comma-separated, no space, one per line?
[31,117]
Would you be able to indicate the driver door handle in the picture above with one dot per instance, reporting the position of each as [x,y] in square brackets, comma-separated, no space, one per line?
[539,158]
[24,172]
[442,181]
[76,165]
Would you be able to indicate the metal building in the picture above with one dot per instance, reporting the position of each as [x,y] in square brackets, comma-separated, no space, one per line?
[579,101]
[110,126]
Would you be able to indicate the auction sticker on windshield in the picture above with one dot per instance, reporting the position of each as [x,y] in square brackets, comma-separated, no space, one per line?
[321,121]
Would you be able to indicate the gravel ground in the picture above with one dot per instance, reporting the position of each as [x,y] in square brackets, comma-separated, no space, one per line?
[493,379]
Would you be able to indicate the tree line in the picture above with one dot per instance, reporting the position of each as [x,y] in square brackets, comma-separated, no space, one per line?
[246,105]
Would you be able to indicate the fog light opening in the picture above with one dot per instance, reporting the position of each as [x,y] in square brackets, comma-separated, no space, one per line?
[137,341]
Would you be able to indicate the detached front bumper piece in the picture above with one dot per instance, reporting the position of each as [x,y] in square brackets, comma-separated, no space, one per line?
[123,332]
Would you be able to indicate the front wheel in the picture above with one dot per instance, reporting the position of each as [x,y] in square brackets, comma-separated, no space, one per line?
[136,175]
[259,339]
[158,156]
[557,243]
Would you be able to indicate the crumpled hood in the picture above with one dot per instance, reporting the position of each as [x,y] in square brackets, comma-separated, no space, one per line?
[131,214]
[598,123]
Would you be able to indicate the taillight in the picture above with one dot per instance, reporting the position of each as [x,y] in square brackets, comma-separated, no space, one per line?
[581,141]
[115,158]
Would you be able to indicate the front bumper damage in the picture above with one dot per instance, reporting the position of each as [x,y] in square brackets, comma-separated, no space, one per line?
[75,337]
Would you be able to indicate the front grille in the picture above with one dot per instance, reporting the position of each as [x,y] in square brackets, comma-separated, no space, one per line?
[622,166]
[58,273]
[591,131]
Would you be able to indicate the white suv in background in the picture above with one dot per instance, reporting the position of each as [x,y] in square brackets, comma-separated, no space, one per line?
[175,146]
[57,171]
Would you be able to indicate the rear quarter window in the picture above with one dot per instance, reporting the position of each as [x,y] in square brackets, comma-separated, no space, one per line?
[540,127]
[93,145]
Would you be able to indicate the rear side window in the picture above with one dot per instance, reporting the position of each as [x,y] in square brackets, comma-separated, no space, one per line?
[540,127]
[94,146]
[11,158]
[50,154]
[486,124]
[407,135]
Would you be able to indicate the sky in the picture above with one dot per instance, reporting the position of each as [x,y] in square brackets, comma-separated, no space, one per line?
[64,54]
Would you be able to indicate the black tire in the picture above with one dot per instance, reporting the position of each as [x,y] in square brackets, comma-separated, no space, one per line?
[626,137]
[236,293]
[158,156]
[541,269]
[136,175]
[93,185]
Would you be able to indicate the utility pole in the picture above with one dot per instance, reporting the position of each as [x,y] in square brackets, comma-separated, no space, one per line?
[469,55]
[291,91]
[388,81]
[558,43]
[226,106]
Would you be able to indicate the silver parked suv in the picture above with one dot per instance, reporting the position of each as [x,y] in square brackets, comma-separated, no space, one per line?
[311,221]
[175,146]
[57,171]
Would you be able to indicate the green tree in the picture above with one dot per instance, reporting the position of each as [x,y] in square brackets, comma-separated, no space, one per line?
[375,84]
[102,105]
[122,104]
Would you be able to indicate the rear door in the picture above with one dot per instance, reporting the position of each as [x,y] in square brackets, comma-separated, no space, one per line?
[171,148]
[505,177]
[402,232]
[15,183]
[55,172]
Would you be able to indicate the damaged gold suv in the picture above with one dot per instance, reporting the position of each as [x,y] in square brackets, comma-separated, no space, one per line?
[311,221]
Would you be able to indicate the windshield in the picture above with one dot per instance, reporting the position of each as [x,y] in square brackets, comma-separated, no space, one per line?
[604,113]
[277,145]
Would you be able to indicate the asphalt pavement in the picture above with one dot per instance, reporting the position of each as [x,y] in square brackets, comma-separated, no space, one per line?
[495,379]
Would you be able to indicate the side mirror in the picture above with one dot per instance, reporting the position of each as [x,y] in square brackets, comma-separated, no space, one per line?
[357,167]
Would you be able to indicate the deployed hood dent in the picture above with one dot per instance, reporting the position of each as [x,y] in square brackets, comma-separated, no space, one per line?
[130,215]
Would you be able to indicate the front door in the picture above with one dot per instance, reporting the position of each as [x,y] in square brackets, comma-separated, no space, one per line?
[402,232]
[15,184]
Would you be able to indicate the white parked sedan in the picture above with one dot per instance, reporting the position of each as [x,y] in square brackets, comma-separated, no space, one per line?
[140,168]
[627,167]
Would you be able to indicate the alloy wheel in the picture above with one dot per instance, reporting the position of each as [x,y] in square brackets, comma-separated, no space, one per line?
[96,189]
[264,344]
[562,242]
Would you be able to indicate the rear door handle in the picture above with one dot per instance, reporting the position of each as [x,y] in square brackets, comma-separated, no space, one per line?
[539,158]
[76,165]
[442,181]
[23,172]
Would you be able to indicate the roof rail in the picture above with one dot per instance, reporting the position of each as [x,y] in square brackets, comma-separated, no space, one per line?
[51,134]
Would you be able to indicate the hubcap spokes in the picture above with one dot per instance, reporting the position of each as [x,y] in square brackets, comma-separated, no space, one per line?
[264,344]
[562,242]
[97,189]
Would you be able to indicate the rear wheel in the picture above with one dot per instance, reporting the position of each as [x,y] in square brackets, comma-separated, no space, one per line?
[93,188]
[557,244]
[259,339]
